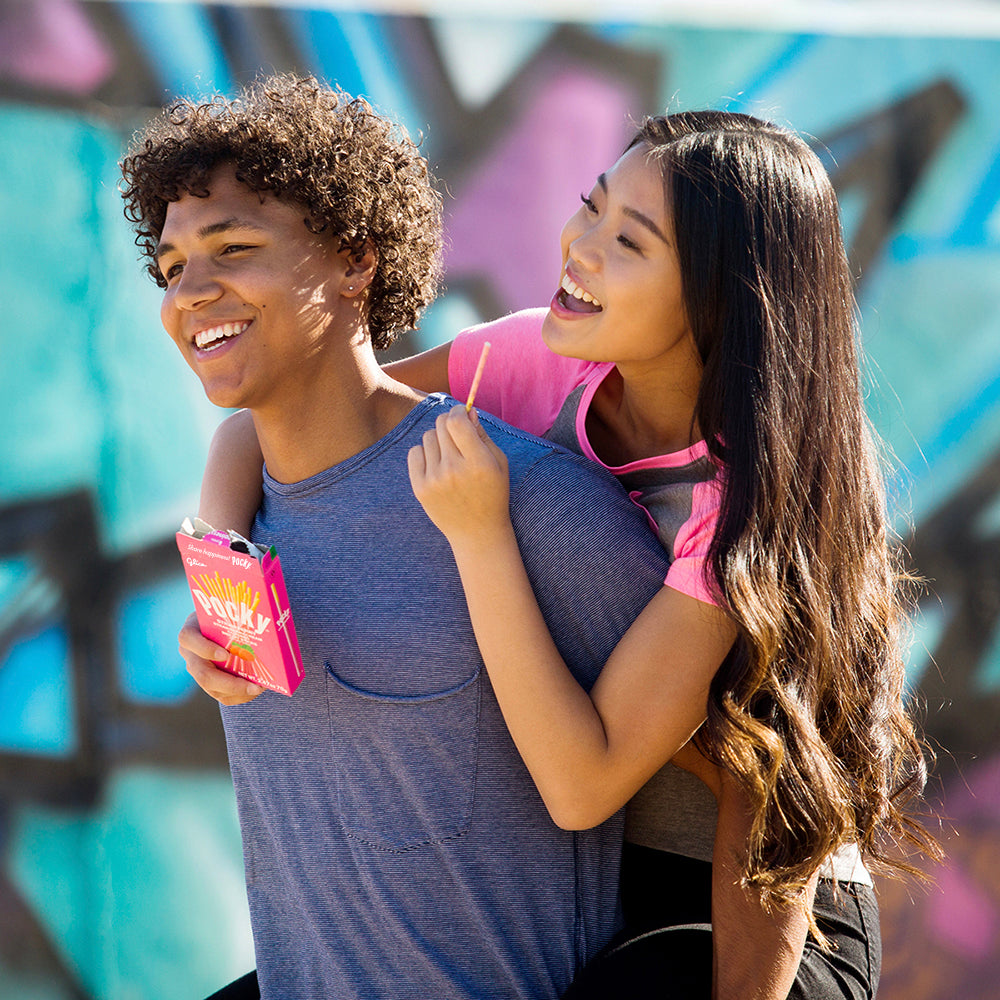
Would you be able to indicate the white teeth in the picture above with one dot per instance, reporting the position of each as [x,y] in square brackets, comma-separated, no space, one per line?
[569,286]
[218,333]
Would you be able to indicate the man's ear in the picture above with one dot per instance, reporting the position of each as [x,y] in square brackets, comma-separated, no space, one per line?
[359,270]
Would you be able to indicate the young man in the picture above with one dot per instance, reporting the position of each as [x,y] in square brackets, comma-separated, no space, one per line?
[394,843]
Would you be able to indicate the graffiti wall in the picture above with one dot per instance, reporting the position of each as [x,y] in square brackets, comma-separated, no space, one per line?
[120,868]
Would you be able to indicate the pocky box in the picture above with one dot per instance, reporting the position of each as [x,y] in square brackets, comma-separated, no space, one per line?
[241,602]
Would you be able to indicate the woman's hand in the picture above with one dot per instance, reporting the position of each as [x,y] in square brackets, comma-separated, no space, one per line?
[460,477]
[198,653]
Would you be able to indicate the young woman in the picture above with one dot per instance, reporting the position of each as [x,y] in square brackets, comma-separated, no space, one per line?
[702,347]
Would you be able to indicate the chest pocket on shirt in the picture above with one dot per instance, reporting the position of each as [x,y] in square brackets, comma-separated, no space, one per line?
[405,765]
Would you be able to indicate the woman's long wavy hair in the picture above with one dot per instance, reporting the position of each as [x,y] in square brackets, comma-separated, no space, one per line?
[807,711]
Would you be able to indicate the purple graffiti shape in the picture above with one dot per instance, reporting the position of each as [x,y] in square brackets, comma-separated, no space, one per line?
[509,213]
[51,44]
[963,916]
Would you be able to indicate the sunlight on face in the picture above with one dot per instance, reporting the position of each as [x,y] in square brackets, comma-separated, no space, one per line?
[618,250]
[251,293]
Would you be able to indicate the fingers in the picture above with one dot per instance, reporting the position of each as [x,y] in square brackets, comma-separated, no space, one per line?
[459,435]
[463,431]
[225,688]
[433,444]
[416,464]
[198,653]
[423,461]
[487,440]
[192,641]
[452,439]
[441,442]
[461,478]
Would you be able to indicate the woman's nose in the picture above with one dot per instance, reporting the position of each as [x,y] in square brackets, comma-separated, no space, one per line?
[584,252]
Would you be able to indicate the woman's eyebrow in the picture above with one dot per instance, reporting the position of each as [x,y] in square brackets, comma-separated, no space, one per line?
[633,213]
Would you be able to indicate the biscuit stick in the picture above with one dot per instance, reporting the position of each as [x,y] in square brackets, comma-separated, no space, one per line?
[477,376]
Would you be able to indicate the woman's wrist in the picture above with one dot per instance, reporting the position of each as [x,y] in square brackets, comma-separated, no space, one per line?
[483,540]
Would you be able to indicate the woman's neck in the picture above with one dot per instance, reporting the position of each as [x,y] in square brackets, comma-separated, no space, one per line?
[636,416]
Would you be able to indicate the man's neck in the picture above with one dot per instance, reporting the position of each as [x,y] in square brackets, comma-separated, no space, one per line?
[342,416]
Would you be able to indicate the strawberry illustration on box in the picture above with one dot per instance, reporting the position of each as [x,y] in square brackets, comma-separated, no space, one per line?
[241,602]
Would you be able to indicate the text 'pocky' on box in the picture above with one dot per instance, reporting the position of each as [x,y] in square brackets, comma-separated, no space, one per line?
[241,602]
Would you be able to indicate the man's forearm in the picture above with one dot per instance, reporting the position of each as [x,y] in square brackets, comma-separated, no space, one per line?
[756,953]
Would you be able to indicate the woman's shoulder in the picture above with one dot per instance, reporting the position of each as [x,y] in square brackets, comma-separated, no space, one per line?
[518,335]
[523,382]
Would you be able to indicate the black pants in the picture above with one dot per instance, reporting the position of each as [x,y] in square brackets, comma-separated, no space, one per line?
[665,951]
[244,988]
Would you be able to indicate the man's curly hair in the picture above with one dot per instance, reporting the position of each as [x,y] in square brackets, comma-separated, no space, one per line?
[356,175]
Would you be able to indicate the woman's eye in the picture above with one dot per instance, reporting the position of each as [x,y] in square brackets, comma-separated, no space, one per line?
[588,203]
[173,271]
[627,243]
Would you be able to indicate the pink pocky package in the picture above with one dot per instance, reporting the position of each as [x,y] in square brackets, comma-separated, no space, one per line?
[241,602]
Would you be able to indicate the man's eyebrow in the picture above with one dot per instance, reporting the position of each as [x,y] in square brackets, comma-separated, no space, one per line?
[212,229]
[632,213]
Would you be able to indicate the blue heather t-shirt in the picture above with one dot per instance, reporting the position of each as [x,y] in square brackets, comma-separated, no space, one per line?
[395,845]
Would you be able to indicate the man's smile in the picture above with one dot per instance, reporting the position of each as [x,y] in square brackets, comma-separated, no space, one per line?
[214,336]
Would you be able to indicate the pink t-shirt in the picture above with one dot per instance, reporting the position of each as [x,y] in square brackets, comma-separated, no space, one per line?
[527,385]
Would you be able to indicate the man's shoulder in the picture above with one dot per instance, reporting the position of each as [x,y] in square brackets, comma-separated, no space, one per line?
[552,485]
[589,551]
[562,492]
[521,447]
[530,455]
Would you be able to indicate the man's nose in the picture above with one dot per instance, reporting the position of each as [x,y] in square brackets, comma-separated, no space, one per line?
[197,286]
